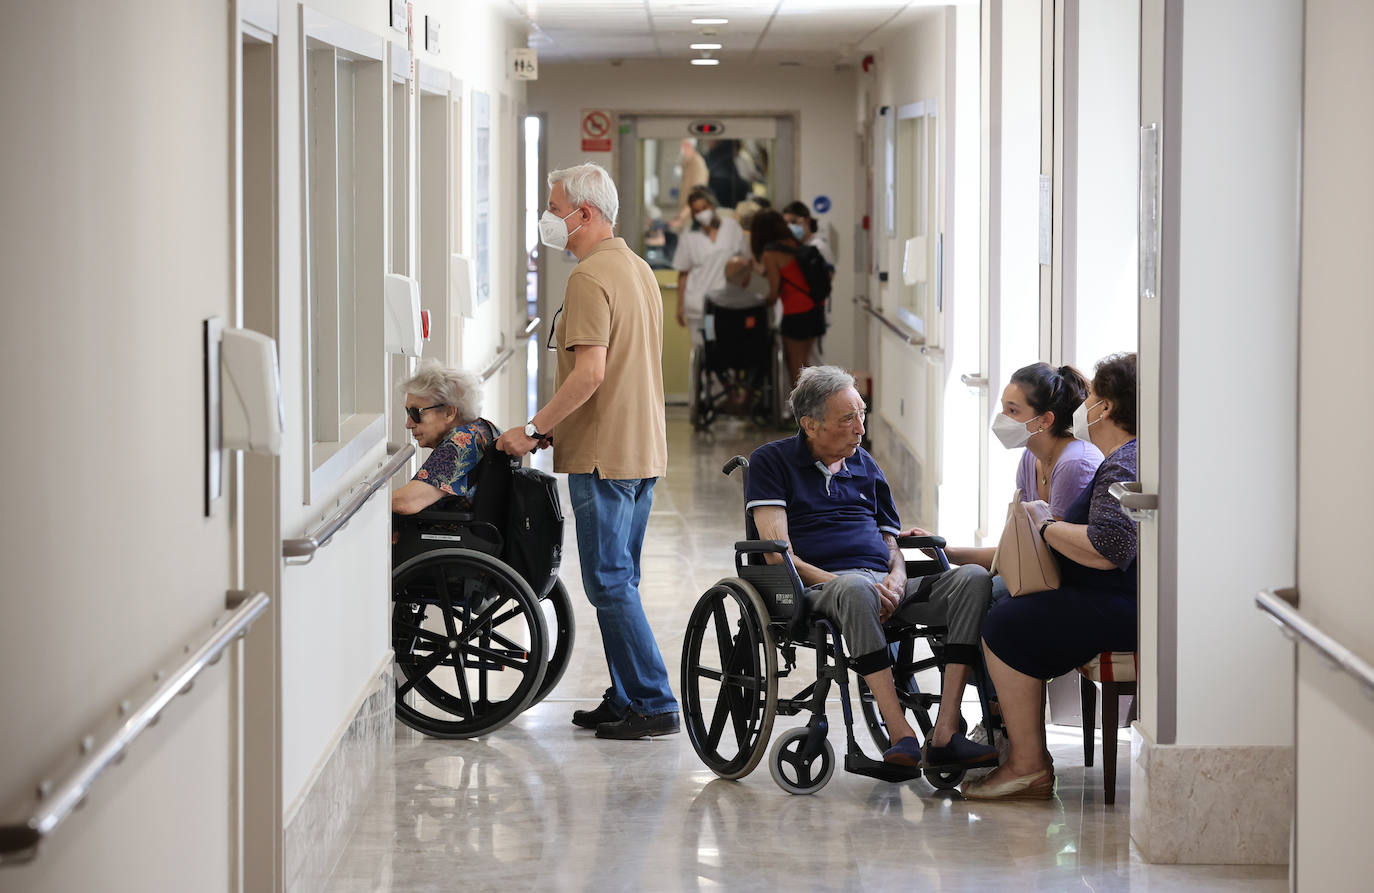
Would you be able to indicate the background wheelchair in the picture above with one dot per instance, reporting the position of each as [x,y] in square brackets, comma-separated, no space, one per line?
[735,635]
[475,641]
[736,371]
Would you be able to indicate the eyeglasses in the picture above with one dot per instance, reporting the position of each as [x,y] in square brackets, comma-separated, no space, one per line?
[553,323]
[415,411]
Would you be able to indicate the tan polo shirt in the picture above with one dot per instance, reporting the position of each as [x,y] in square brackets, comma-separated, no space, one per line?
[613,301]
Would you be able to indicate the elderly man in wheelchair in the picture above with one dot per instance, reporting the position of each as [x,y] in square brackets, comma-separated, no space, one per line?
[825,497]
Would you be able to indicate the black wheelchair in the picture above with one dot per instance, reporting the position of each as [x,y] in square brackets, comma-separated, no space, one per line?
[476,640]
[736,369]
[735,636]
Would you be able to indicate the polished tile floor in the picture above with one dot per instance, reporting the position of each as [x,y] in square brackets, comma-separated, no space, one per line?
[539,804]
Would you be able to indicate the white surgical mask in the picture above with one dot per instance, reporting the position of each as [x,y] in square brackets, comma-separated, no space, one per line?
[1081,423]
[552,232]
[1012,433]
[705,216]
[798,232]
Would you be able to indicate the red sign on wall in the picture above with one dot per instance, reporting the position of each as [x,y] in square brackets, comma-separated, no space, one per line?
[596,130]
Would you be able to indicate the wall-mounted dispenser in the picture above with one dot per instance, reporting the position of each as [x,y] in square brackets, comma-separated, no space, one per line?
[462,284]
[251,414]
[402,332]
[914,260]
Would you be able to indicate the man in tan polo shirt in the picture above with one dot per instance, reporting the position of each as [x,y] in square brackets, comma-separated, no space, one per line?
[608,417]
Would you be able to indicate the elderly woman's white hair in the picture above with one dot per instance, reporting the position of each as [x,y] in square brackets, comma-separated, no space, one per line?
[436,383]
[815,386]
[589,184]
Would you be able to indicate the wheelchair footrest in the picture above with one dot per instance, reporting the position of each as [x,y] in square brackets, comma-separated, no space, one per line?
[859,764]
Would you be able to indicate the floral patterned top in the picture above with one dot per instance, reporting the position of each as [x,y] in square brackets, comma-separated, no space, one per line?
[449,464]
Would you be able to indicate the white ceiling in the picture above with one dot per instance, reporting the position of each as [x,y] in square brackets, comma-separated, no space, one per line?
[805,31]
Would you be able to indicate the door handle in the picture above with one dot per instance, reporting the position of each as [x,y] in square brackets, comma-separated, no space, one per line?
[1133,501]
[976,382]
[933,354]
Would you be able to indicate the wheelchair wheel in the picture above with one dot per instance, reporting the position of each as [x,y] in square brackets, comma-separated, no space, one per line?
[728,658]
[470,641]
[558,617]
[703,405]
[792,771]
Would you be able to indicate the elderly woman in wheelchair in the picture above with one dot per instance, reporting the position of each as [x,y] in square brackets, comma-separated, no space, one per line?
[827,530]
[477,640]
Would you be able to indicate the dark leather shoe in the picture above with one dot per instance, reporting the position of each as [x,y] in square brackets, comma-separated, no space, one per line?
[635,725]
[958,753]
[590,719]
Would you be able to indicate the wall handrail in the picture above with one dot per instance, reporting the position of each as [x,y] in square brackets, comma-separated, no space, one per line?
[306,546]
[57,800]
[527,331]
[910,338]
[1284,612]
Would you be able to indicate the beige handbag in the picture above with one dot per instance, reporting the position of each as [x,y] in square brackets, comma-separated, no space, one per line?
[1023,559]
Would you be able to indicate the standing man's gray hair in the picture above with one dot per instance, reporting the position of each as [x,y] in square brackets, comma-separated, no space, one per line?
[589,184]
[815,386]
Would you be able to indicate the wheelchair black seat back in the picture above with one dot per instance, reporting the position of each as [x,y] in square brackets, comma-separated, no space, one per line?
[481,626]
[730,670]
[735,369]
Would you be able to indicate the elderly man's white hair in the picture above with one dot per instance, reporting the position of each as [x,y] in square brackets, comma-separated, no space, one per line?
[815,386]
[589,184]
[436,383]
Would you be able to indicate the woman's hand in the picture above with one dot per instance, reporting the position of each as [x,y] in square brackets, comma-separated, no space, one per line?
[914,531]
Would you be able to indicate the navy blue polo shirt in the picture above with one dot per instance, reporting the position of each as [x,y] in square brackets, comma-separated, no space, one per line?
[835,522]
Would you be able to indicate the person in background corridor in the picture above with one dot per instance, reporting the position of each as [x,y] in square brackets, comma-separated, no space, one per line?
[608,415]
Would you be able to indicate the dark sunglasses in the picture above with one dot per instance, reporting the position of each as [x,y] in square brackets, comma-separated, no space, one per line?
[415,411]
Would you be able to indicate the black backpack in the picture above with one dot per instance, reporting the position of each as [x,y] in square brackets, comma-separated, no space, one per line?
[522,503]
[816,271]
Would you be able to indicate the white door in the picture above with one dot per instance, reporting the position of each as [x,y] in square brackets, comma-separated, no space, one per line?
[1335,720]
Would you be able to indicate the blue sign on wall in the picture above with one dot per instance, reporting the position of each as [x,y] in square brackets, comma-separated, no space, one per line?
[821,204]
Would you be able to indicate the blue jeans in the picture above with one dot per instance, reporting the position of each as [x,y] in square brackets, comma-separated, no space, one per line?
[611,518]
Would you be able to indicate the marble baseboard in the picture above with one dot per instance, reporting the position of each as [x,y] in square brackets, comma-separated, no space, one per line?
[319,825]
[1211,805]
[900,466]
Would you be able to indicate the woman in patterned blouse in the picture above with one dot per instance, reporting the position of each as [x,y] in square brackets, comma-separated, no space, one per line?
[1045,634]
[442,414]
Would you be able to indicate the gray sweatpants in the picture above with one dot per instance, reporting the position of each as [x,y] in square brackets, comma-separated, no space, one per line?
[957,599]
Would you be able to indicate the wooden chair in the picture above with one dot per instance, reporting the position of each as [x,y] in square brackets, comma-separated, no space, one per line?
[1115,671]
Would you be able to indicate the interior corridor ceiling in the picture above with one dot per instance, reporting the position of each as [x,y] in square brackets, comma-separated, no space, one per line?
[807,32]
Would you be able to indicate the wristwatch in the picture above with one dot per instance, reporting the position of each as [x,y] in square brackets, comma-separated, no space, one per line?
[533,432]
[1044,525]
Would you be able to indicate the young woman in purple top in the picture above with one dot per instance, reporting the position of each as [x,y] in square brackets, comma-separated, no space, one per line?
[1037,413]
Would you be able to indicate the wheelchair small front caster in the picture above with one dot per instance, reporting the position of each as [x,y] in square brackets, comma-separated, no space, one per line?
[792,771]
[944,779]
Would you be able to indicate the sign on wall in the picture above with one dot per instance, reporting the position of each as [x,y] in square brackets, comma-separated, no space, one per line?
[481,191]
[522,63]
[596,130]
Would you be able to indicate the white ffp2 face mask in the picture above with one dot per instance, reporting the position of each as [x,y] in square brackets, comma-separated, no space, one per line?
[705,216]
[552,232]
[1012,433]
[1081,423]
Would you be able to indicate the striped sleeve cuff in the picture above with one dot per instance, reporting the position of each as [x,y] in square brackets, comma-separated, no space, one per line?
[882,528]
[758,502]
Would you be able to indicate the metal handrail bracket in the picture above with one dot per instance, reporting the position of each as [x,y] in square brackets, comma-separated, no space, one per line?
[1276,604]
[909,337]
[306,546]
[57,800]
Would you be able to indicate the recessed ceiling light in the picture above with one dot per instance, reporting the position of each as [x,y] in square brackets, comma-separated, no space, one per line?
[705,61]
[705,46]
[710,21]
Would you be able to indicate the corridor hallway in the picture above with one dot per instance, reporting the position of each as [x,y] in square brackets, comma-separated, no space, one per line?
[539,804]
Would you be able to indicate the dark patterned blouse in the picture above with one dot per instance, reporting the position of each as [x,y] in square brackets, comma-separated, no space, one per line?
[1110,530]
[450,462]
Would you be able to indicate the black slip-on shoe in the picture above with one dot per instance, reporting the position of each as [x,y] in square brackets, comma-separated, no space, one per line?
[635,725]
[958,753]
[590,719]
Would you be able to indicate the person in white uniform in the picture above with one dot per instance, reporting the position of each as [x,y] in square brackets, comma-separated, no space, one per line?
[701,257]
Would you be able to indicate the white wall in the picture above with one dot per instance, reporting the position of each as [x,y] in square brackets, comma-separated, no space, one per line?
[1237,344]
[115,169]
[822,98]
[336,610]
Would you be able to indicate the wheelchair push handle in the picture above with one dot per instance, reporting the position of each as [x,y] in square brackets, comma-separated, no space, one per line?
[735,462]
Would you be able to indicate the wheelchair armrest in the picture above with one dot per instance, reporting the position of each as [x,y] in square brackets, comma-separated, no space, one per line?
[920,542]
[755,546]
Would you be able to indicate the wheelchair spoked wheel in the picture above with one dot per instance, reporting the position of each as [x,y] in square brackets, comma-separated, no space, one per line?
[728,659]
[703,404]
[470,641]
[793,771]
[558,618]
